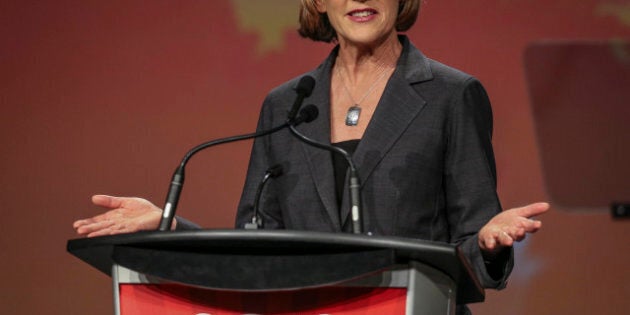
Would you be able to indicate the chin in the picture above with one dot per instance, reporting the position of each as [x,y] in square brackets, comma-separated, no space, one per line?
[366,39]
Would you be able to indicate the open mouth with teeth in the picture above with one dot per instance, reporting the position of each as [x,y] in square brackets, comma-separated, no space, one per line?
[363,14]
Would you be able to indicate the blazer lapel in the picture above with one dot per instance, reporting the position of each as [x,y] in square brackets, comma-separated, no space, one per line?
[397,108]
[320,161]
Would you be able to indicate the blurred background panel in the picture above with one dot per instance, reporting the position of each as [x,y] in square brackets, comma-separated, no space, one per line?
[580,94]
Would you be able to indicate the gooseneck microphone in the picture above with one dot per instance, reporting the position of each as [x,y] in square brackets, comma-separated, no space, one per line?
[303,89]
[257,222]
[355,184]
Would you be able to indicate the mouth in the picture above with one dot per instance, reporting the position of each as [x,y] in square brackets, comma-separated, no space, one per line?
[362,13]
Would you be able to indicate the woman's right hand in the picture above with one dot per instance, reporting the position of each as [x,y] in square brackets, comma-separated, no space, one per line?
[124,215]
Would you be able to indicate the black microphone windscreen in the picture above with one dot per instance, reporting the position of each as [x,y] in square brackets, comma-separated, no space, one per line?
[309,113]
[306,85]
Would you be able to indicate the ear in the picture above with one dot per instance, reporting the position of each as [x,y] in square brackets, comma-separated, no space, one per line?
[320,5]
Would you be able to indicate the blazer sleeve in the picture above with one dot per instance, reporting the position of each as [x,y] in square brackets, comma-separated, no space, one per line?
[470,179]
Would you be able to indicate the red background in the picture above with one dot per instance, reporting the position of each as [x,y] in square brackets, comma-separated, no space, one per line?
[106,96]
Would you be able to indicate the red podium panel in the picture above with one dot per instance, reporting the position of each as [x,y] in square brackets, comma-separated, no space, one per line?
[174,299]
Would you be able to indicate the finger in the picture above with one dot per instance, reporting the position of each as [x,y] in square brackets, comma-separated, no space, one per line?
[102,232]
[491,240]
[112,230]
[489,243]
[82,222]
[533,209]
[528,225]
[76,224]
[518,234]
[107,216]
[107,201]
[90,228]
[533,226]
[87,229]
[504,239]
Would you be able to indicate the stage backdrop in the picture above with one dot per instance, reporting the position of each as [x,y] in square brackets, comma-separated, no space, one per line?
[106,96]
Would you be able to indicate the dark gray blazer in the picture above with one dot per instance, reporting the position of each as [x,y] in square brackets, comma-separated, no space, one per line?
[425,161]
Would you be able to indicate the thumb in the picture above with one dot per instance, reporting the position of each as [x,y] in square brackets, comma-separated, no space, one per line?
[107,201]
[533,209]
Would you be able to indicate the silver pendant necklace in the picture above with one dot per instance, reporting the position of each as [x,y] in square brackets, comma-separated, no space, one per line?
[353,114]
[354,111]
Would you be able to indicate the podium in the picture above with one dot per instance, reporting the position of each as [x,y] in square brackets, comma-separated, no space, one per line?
[279,272]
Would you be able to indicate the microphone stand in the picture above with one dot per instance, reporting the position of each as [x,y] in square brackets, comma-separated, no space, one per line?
[304,88]
[354,186]
[307,114]
[257,221]
[177,181]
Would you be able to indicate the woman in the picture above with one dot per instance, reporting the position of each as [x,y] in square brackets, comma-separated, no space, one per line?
[420,133]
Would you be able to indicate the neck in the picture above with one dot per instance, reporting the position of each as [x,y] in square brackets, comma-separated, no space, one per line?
[358,61]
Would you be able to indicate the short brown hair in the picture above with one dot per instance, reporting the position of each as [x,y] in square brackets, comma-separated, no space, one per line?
[316,26]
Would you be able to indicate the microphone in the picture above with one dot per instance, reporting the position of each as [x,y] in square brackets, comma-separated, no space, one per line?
[257,222]
[355,184]
[304,88]
[307,114]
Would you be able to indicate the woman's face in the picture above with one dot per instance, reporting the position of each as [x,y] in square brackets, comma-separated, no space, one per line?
[367,22]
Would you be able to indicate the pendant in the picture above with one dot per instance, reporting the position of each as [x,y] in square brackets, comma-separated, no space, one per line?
[352,117]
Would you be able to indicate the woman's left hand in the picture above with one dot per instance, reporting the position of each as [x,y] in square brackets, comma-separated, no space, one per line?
[510,226]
